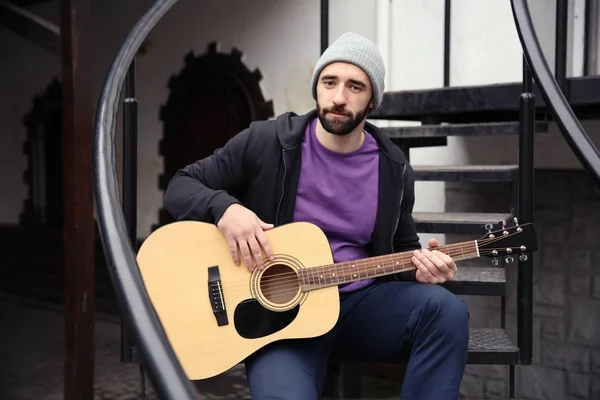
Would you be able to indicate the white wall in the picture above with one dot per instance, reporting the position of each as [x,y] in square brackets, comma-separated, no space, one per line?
[281,38]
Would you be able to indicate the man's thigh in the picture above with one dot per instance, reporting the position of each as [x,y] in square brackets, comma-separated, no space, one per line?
[379,323]
[289,369]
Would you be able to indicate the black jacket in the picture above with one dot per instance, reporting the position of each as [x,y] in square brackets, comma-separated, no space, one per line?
[259,168]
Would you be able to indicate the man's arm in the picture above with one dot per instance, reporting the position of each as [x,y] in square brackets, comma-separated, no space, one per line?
[431,266]
[202,191]
[406,237]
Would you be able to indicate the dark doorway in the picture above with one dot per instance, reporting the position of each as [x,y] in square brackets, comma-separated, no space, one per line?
[43,147]
[214,97]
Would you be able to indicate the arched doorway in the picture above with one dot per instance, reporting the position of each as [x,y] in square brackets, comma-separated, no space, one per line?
[214,97]
[43,147]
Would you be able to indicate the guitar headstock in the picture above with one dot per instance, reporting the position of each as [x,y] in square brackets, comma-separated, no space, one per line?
[508,242]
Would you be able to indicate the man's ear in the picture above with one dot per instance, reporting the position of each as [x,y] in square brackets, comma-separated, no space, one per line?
[371,106]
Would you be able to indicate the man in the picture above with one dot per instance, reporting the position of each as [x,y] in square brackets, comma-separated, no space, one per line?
[332,168]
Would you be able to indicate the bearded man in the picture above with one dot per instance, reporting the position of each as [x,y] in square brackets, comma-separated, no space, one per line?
[332,168]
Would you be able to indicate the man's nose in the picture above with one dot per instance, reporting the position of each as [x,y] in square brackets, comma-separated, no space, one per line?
[340,96]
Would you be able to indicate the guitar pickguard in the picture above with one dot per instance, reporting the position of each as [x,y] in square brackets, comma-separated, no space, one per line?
[253,321]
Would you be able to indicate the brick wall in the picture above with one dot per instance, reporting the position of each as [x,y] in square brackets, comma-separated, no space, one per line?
[566,325]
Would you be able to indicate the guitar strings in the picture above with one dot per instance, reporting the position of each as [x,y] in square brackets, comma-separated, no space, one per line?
[398,259]
[292,285]
[455,250]
[291,282]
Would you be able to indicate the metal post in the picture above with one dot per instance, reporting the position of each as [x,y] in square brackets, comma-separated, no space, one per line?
[129,351]
[79,230]
[560,51]
[525,215]
[447,25]
[590,48]
[324,25]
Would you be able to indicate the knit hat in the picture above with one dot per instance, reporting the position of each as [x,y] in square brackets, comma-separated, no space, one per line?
[360,51]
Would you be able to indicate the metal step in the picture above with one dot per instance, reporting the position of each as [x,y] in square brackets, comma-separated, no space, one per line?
[457,223]
[481,103]
[470,129]
[478,281]
[466,173]
[491,346]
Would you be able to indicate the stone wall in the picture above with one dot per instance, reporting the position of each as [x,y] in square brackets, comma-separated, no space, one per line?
[566,324]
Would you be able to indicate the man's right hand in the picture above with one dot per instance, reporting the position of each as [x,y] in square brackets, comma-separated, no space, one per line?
[244,230]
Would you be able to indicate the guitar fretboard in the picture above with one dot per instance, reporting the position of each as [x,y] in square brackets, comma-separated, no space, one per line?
[372,267]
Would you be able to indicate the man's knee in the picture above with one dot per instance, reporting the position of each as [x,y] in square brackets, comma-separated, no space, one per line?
[445,310]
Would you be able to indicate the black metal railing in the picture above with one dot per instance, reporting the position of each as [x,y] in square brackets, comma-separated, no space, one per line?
[447,31]
[324,25]
[554,98]
[157,355]
[525,207]
[554,91]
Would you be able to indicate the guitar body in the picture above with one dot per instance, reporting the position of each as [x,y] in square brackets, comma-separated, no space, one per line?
[215,313]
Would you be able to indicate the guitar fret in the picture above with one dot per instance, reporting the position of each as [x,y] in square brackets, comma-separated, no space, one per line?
[356,270]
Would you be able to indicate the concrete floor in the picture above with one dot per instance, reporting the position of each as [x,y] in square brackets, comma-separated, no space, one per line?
[32,355]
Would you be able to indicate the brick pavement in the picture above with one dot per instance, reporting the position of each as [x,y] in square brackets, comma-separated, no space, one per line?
[32,355]
[32,352]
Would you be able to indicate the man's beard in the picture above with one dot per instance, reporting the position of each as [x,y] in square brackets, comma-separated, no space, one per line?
[340,126]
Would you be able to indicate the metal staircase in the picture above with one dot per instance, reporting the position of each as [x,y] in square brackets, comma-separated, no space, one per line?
[492,345]
[516,109]
[497,109]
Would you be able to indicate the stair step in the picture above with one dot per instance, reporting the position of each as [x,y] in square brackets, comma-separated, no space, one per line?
[480,103]
[470,129]
[478,281]
[456,222]
[491,346]
[467,173]
[486,346]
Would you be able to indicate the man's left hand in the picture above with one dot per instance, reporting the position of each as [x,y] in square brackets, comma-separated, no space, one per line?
[433,266]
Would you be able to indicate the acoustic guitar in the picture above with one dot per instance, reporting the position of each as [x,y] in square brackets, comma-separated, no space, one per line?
[216,314]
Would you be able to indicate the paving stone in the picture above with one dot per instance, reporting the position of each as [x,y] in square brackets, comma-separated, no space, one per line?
[584,328]
[552,329]
[542,383]
[578,385]
[36,360]
[569,357]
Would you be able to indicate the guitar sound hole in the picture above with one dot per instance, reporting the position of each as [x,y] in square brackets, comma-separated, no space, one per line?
[279,284]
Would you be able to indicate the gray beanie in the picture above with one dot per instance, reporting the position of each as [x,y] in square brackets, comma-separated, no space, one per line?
[360,51]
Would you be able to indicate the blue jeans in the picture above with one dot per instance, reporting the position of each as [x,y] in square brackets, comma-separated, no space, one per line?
[384,322]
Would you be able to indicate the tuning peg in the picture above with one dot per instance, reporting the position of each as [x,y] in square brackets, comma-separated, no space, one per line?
[509,260]
[489,228]
[503,225]
[495,262]
[523,257]
[516,221]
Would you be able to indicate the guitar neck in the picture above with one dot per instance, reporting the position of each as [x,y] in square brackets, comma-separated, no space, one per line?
[351,271]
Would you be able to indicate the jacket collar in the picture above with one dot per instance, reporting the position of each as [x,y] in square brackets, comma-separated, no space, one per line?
[291,128]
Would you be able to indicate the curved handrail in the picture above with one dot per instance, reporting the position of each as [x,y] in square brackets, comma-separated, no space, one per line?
[562,112]
[160,360]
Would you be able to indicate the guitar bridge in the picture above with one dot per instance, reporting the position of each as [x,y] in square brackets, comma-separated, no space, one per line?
[216,297]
